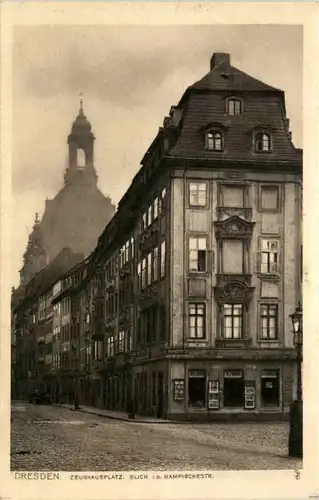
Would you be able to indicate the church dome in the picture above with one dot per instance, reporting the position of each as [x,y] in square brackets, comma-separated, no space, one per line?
[81,123]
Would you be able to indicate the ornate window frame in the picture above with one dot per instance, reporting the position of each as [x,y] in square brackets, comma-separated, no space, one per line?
[215,128]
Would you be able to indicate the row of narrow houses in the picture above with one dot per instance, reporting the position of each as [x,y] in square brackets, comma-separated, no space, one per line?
[183,305]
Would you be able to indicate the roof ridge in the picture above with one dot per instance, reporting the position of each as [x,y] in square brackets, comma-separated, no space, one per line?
[214,80]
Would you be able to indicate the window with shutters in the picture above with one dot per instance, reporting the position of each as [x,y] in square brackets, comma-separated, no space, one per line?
[197,254]
[269,256]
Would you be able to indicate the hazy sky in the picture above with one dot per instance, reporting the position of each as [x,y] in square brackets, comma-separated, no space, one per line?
[129,76]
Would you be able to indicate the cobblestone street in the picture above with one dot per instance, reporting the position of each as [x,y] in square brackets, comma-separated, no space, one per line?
[47,438]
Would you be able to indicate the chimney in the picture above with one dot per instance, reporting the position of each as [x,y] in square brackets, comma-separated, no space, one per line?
[219,58]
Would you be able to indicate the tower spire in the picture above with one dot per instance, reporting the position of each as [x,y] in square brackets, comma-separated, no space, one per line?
[81,113]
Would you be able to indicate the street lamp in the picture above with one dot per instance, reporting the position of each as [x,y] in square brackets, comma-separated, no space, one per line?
[295,433]
[296,319]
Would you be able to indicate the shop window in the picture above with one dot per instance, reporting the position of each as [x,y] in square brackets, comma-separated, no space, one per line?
[197,388]
[234,388]
[270,387]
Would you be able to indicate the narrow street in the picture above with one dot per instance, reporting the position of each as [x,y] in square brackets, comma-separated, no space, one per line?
[48,438]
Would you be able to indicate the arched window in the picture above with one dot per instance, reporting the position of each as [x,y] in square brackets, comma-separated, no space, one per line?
[214,140]
[234,106]
[80,158]
[262,142]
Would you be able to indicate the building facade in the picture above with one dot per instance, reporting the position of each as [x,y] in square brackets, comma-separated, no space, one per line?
[183,307]
[202,261]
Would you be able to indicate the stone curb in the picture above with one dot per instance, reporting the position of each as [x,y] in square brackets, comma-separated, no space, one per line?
[113,417]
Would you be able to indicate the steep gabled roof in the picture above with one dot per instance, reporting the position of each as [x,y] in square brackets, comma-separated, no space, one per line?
[223,76]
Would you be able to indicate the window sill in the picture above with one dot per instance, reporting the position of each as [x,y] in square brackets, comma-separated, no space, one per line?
[227,343]
[270,408]
[269,341]
[270,210]
[196,273]
[197,343]
[273,276]
[198,207]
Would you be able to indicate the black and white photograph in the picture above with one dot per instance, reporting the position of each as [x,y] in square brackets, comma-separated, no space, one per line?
[157,306]
[156,250]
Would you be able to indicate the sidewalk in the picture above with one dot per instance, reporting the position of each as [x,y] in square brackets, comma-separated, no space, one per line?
[115,415]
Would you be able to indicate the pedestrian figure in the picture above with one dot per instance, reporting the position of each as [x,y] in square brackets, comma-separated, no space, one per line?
[131,409]
[76,401]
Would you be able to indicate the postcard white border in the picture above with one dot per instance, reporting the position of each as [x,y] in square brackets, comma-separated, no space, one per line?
[248,484]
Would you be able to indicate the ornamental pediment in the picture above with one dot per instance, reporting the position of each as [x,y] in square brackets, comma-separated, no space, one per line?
[234,227]
[235,291]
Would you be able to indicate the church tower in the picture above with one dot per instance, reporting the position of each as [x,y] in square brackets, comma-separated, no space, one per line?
[77,215]
[81,151]
[35,257]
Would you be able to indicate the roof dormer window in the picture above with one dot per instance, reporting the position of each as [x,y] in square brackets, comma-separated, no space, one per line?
[262,142]
[214,140]
[234,106]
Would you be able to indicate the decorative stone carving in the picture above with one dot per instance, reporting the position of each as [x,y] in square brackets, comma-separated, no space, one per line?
[234,227]
[234,291]
[223,279]
[224,213]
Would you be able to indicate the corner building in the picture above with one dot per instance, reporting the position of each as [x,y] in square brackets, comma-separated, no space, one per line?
[202,262]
